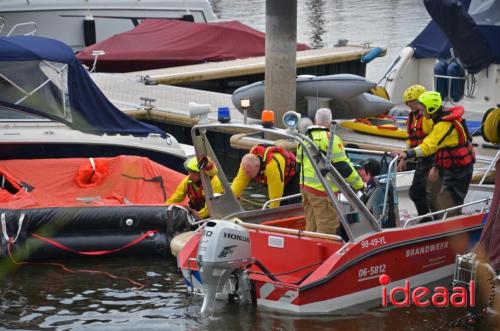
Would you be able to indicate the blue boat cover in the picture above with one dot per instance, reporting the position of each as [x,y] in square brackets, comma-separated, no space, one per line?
[90,111]
[469,29]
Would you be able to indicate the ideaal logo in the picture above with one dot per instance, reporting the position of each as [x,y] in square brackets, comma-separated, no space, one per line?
[423,297]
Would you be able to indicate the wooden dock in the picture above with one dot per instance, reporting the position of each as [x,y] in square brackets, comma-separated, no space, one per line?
[314,60]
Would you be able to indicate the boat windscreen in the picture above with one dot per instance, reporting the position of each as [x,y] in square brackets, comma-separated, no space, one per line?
[485,12]
[40,85]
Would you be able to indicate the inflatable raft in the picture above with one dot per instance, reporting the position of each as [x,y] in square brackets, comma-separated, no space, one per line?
[59,208]
[348,96]
[386,126]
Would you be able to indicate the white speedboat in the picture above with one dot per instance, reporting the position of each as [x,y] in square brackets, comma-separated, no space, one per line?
[80,23]
[51,108]
[456,54]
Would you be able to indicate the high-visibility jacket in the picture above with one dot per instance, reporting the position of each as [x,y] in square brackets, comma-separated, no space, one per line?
[341,162]
[195,194]
[267,154]
[450,143]
[418,127]
[273,175]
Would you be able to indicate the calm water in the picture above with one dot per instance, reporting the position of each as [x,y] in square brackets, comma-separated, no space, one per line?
[46,297]
[320,23]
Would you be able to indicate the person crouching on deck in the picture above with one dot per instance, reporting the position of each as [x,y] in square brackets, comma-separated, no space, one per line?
[269,165]
[320,214]
[454,156]
[191,187]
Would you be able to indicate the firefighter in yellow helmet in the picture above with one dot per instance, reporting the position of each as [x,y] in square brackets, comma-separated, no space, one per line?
[191,187]
[451,145]
[418,127]
[320,214]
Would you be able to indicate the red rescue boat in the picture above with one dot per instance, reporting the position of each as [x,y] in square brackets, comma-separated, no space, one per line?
[266,258]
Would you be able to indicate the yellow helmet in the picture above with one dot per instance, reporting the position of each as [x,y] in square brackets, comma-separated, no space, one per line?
[431,100]
[413,92]
[192,165]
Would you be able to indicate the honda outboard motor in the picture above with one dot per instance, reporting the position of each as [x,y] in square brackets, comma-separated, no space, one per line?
[224,250]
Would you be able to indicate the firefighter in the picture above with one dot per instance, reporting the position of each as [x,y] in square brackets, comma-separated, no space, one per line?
[451,145]
[418,127]
[320,214]
[191,187]
[272,166]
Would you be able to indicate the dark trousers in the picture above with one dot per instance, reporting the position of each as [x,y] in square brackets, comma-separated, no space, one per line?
[418,192]
[454,186]
[292,187]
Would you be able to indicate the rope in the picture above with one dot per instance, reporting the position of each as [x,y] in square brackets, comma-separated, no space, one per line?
[73,271]
[491,125]
[251,202]
[470,85]
[96,253]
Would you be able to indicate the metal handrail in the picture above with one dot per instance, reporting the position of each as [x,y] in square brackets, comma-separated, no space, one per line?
[296,195]
[450,80]
[31,33]
[388,180]
[445,211]
[489,167]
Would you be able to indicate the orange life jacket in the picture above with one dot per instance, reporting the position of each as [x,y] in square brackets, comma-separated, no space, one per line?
[195,195]
[460,155]
[266,155]
[415,130]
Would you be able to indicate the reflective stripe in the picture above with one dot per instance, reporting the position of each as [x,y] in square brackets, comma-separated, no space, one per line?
[308,176]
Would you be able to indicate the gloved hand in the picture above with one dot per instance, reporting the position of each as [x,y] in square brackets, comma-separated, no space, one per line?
[203,163]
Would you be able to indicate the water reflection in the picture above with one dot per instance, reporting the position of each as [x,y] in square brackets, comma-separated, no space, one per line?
[316,21]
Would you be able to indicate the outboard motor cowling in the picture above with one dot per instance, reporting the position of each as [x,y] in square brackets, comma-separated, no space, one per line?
[223,250]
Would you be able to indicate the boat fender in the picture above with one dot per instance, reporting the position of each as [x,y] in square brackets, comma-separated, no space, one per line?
[178,242]
[440,69]
[89,34]
[457,85]
[371,54]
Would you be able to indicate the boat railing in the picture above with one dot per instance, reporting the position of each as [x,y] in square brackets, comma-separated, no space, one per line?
[387,186]
[30,33]
[490,166]
[486,204]
[347,149]
[288,197]
[449,79]
[2,23]
[298,233]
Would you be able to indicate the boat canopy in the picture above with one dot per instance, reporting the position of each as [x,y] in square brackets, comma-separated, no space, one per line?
[168,43]
[42,77]
[470,27]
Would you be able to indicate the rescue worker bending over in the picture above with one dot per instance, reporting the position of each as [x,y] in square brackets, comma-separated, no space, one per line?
[418,127]
[269,165]
[191,187]
[320,214]
[454,155]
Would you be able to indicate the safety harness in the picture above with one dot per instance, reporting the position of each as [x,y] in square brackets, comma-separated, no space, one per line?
[462,154]
[266,155]
[416,132]
[196,196]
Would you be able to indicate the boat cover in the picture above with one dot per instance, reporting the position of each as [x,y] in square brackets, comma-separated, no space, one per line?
[470,27]
[167,43]
[50,82]
[80,182]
